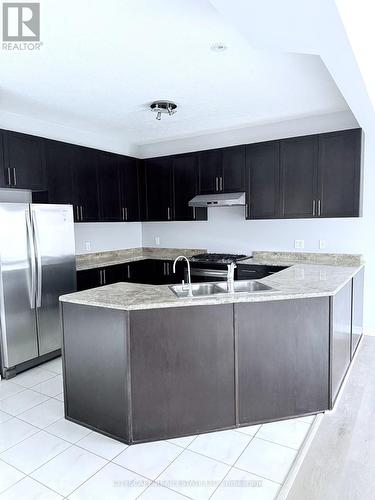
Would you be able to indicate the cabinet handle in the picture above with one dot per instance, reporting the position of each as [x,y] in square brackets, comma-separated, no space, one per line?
[77,213]
[169,213]
[319,208]
[168,269]
[81,211]
[313,208]
[126,213]
[216,183]
[194,216]
[14,177]
[221,185]
[163,268]
[9,179]
[128,271]
[104,277]
[100,277]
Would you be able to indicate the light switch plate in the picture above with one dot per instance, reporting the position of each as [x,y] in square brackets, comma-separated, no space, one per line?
[88,246]
[299,244]
[322,244]
[157,240]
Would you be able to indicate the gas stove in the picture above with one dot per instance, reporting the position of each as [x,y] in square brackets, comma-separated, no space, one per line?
[217,258]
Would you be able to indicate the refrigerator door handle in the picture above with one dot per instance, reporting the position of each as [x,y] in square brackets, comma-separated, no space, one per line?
[32,259]
[39,263]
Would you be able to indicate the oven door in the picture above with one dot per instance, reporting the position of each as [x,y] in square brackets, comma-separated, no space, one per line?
[201,275]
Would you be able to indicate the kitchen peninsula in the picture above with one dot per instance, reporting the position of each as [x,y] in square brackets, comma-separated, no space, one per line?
[151,365]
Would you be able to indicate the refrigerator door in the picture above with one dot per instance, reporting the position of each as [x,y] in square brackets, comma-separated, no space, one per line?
[17,286]
[55,268]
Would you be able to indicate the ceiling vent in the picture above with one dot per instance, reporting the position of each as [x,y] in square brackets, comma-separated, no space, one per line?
[163,107]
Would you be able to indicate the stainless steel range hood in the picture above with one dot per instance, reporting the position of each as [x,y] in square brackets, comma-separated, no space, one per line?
[218,200]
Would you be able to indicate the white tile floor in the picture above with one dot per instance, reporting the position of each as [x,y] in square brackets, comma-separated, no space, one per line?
[44,456]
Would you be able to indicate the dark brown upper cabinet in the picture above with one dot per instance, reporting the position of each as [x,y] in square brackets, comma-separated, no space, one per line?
[233,173]
[24,161]
[61,160]
[158,188]
[86,185]
[210,171]
[263,180]
[109,187]
[73,179]
[339,175]
[129,189]
[222,170]
[185,187]
[298,170]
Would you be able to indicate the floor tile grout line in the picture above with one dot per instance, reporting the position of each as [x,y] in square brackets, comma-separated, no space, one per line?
[283,445]
[231,467]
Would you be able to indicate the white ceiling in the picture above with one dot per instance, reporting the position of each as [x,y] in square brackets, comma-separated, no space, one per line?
[103,62]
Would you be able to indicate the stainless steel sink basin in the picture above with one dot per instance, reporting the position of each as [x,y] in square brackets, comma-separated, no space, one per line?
[250,286]
[197,289]
[204,289]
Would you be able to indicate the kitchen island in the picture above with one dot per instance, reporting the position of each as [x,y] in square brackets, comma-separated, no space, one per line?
[142,364]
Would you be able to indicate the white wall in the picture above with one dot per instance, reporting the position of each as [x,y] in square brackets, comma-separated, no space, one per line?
[227,231]
[107,236]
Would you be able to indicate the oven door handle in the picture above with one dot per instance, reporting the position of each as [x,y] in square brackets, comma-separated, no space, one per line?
[206,272]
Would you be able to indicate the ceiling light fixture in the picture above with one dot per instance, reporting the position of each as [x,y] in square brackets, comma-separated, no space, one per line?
[219,47]
[166,107]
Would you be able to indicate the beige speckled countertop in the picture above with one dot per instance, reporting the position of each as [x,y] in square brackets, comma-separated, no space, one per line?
[298,281]
[102,259]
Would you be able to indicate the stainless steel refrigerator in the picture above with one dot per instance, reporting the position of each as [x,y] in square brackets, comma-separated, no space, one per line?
[37,265]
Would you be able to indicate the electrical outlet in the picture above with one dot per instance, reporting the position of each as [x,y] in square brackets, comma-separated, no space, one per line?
[157,240]
[322,244]
[299,243]
[88,246]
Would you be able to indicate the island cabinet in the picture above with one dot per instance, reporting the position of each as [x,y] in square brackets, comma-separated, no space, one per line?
[191,389]
[283,352]
[357,309]
[340,338]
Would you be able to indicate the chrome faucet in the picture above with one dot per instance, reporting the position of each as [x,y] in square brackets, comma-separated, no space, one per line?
[230,276]
[180,257]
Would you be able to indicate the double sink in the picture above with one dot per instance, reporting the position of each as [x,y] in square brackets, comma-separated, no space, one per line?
[205,289]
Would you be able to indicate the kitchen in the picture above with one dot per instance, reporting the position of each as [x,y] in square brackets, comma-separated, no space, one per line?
[207,283]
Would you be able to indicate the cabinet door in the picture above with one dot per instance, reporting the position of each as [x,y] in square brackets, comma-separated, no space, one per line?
[61,160]
[114,274]
[357,309]
[185,187]
[263,181]
[283,352]
[158,177]
[109,187]
[341,305]
[232,180]
[299,177]
[2,164]
[129,188]
[24,161]
[86,185]
[191,389]
[89,278]
[340,174]
[210,170]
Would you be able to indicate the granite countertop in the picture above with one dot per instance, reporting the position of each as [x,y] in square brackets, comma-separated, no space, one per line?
[302,280]
[112,258]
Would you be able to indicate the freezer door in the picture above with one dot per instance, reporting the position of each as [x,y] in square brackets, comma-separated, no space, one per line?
[55,268]
[17,286]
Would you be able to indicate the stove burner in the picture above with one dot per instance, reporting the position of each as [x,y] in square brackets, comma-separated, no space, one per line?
[220,258]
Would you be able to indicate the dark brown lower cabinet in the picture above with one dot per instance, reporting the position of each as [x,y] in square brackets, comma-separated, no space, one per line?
[341,314]
[283,351]
[188,386]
